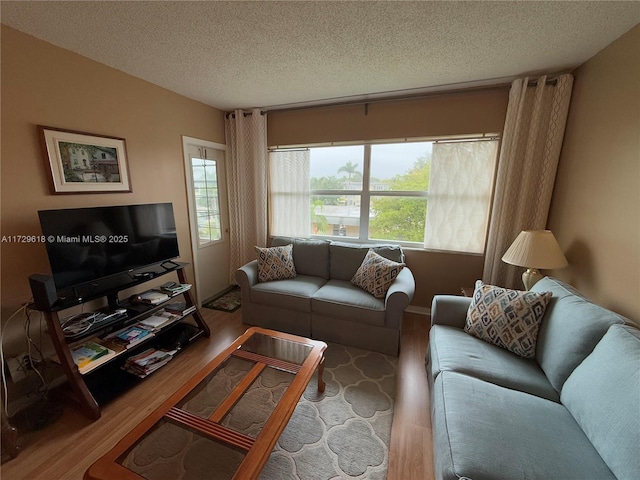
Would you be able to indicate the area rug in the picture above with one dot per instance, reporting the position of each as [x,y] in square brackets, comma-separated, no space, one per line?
[341,433]
[228,302]
[345,431]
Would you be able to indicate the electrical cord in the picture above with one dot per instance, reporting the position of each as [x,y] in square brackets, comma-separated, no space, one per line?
[78,324]
[27,327]
[2,374]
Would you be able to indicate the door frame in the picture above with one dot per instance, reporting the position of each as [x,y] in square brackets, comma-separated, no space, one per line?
[193,224]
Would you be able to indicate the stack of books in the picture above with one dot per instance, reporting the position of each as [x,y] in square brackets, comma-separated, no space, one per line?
[177,308]
[174,288]
[90,355]
[147,362]
[153,297]
[158,320]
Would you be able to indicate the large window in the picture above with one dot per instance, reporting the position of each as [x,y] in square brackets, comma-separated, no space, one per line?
[431,194]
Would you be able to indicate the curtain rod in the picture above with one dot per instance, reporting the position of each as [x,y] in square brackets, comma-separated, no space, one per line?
[244,114]
[398,98]
[531,83]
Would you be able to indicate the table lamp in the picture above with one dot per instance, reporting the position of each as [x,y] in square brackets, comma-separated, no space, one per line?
[535,249]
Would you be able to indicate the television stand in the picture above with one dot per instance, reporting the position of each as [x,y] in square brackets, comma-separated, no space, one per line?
[171,264]
[109,373]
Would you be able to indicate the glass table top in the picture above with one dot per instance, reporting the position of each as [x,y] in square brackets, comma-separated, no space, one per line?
[277,348]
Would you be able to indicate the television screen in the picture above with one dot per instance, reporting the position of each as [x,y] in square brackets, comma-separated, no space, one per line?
[87,244]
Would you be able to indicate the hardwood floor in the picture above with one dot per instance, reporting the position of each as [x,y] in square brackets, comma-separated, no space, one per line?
[65,449]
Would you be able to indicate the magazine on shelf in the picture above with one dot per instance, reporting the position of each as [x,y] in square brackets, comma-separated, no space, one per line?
[90,354]
[130,336]
[147,362]
[158,320]
[175,288]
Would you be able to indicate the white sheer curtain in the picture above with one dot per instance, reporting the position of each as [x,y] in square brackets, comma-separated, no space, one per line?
[289,212]
[533,133]
[459,197]
[246,137]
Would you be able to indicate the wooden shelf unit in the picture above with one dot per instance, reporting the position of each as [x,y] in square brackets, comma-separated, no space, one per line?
[135,313]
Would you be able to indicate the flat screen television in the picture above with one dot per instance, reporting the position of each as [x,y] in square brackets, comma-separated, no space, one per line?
[94,249]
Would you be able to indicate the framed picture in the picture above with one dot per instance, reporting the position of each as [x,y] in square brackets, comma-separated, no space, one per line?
[81,162]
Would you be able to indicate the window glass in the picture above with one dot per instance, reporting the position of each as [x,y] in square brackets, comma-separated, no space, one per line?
[205,188]
[335,215]
[400,167]
[400,219]
[337,168]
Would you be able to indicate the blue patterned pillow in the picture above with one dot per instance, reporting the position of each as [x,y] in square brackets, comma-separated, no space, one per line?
[507,318]
[376,274]
[275,263]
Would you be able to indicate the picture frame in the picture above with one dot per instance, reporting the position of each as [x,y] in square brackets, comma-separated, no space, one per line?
[80,162]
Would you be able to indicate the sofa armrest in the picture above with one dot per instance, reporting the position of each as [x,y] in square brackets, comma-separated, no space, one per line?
[247,276]
[449,310]
[399,297]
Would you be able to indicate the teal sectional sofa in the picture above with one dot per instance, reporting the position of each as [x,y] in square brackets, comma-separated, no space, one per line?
[572,412]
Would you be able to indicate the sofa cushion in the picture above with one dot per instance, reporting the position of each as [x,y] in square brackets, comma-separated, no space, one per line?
[507,318]
[345,258]
[483,431]
[310,256]
[376,274]
[293,293]
[451,349]
[570,329]
[341,299]
[275,263]
[603,395]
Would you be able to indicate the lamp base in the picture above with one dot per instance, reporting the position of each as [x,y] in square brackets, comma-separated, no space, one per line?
[530,277]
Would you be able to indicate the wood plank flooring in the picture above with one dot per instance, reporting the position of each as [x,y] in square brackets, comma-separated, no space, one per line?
[65,449]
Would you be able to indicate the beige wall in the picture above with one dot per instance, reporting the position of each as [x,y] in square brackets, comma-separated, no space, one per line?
[44,84]
[438,114]
[595,211]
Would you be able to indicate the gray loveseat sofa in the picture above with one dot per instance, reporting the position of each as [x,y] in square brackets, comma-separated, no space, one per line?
[322,303]
[572,412]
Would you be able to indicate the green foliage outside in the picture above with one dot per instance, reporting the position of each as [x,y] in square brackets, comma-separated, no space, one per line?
[350,168]
[402,218]
[327,183]
[319,222]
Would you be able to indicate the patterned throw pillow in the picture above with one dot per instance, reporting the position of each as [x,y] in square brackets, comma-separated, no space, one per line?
[376,274]
[507,318]
[275,263]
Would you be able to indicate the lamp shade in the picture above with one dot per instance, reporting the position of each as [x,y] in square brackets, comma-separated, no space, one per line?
[535,249]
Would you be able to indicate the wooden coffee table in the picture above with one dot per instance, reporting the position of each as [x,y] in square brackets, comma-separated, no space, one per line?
[226,420]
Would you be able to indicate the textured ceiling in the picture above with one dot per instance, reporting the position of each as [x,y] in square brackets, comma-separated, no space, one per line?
[257,54]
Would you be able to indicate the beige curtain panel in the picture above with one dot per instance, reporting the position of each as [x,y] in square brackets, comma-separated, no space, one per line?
[533,133]
[246,138]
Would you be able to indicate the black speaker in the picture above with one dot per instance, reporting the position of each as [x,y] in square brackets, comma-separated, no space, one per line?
[43,290]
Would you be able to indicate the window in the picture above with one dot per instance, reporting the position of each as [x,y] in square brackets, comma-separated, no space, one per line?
[205,189]
[431,194]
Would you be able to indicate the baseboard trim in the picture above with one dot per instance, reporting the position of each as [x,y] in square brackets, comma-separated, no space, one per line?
[419,310]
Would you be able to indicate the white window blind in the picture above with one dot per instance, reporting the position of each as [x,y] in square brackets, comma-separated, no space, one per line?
[460,195]
[289,210]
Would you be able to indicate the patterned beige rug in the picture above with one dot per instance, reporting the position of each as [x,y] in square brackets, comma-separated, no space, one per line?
[341,433]
[344,432]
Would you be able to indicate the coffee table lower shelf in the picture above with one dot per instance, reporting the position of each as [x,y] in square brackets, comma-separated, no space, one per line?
[219,421]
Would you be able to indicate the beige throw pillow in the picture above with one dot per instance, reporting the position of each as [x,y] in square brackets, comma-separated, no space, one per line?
[376,274]
[275,263]
[507,318]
